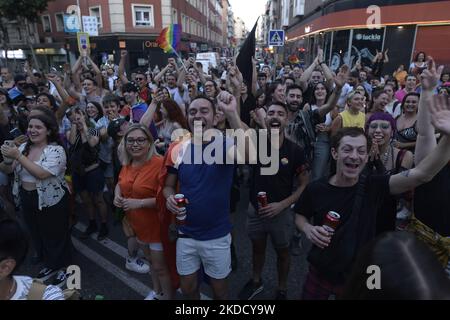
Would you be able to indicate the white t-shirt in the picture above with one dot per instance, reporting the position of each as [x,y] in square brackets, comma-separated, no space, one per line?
[328,118]
[180,99]
[23,285]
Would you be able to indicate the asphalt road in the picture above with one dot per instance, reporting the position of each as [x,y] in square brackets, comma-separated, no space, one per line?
[103,272]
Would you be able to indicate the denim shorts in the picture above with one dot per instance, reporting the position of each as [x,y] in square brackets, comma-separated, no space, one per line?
[215,255]
[108,170]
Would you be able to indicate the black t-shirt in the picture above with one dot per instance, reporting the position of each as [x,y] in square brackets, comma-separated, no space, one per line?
[308,94]
[278,187]
[432,202]
[320,196]
[82,155]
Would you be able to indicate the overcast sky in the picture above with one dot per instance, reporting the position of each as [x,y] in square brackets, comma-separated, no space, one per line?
[248,10]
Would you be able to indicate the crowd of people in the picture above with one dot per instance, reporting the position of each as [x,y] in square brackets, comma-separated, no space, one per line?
[373,148]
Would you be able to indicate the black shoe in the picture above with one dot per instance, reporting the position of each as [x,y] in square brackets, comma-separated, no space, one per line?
[45,274]
[281,295]
[89,230]
[103,232]
[250,290]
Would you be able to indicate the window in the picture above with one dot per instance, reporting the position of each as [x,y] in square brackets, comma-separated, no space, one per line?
[174,16]
[46,23]
[143,16]
[59,17]
[96,12]
[185,21]
[191,26]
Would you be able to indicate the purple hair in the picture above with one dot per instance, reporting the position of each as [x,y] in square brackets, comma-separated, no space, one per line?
[382,116]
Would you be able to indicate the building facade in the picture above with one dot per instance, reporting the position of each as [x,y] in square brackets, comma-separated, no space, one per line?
[133,25]
[349,30]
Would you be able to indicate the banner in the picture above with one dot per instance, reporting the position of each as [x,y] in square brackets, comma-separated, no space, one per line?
[90,25]
[83,42]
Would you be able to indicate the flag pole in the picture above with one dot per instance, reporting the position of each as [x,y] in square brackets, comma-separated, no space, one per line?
[181,60]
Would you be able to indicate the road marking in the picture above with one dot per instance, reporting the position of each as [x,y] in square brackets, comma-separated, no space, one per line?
[108,243]
[119,250]
[117,272]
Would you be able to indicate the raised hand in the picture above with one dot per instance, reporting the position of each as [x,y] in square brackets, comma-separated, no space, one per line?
[226,102]
[320,55]
[440,113]
[374,153]
[123,53]
[342,77]
[430,76]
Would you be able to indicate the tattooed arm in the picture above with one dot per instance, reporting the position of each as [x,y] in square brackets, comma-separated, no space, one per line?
[436,160]
[425,170]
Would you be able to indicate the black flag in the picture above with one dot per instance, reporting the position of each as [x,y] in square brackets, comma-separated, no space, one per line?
[244,59]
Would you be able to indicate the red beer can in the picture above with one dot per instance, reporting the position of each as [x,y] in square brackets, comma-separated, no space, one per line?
[262,199]
[181,203]
[331,221]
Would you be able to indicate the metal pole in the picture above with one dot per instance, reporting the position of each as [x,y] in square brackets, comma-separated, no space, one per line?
[207,23]
[79,16]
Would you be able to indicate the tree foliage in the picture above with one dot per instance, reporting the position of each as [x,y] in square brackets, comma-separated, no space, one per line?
[29,9]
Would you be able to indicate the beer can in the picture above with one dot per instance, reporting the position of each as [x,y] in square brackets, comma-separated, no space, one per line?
[331,221]
[181,203]
[262,199]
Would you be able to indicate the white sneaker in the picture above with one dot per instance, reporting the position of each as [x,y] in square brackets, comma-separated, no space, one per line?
[153,296]
[137,265]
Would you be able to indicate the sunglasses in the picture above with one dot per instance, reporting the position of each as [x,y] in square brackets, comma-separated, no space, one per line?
[139,79]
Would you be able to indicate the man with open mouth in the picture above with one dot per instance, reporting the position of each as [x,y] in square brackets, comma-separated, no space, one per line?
[356,197]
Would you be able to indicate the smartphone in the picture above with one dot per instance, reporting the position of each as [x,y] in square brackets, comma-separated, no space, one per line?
[9,143]
[15,133]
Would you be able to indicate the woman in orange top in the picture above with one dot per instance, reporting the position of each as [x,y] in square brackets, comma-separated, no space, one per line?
[136,194]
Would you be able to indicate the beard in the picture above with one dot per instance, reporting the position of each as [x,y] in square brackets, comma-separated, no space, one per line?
[293,107]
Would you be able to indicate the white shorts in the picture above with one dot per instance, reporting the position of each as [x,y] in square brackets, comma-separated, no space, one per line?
[215,255]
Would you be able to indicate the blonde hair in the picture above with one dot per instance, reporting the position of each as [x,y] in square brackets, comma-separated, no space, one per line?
[125,157]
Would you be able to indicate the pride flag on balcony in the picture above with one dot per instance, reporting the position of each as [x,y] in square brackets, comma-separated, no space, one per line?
[169,38]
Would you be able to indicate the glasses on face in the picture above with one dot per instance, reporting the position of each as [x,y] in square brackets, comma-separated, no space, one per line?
[383,126]
[139,79]
[140,141]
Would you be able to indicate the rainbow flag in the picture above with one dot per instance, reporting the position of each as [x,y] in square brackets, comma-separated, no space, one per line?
[169,38]
[293,59]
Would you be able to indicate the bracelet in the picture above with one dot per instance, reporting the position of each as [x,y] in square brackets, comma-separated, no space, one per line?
[142,203]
